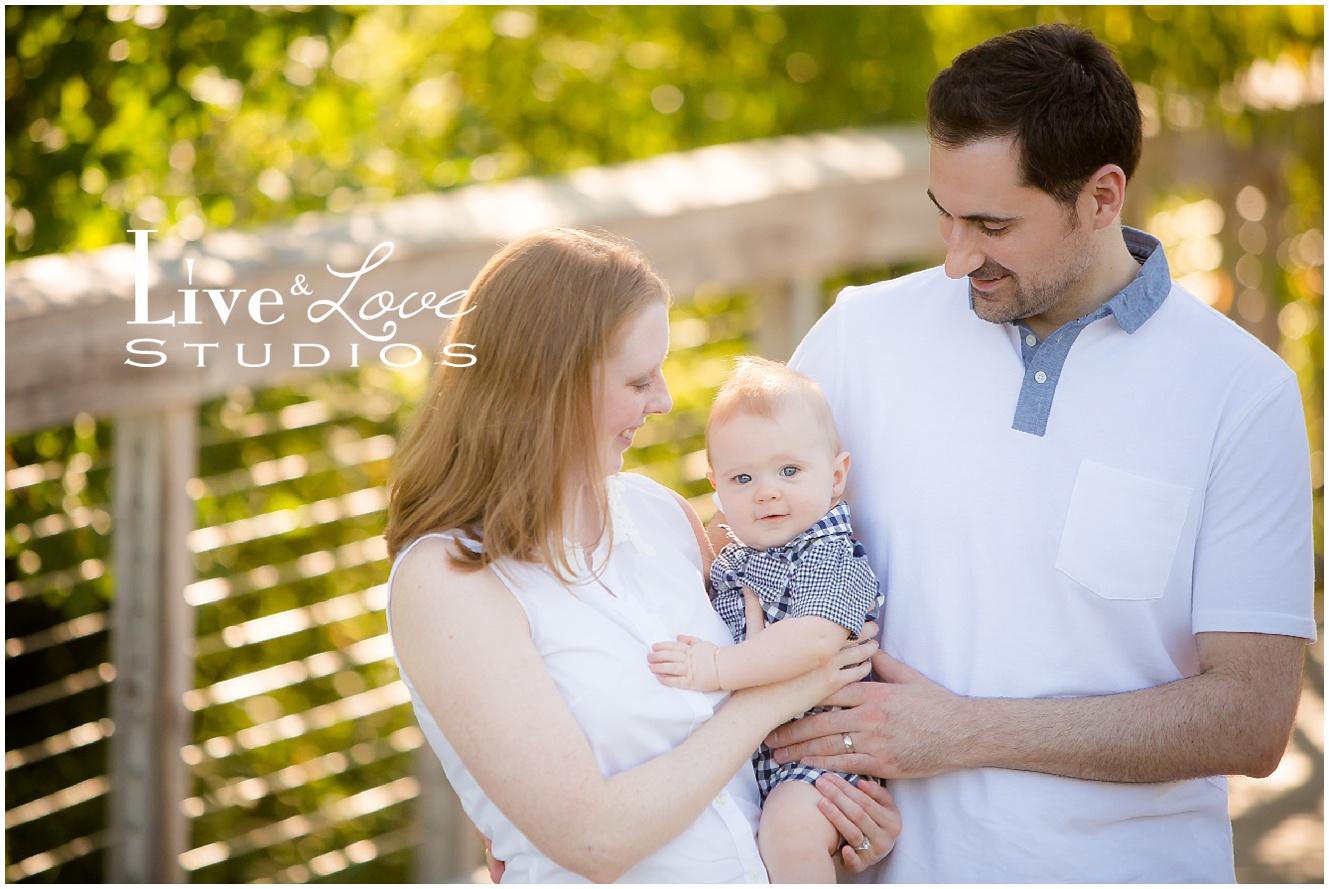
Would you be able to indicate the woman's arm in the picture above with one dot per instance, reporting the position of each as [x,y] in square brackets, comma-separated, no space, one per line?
[703,541]
[716,535]
[465,643]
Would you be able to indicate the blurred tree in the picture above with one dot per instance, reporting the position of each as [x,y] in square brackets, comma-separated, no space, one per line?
[188,118]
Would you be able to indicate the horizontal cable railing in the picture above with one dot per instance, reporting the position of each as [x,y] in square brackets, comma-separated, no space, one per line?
[58,670]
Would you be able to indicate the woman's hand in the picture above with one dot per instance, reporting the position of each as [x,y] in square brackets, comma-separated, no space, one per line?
[754,615]
[793,697]
[492,864]
[859,813]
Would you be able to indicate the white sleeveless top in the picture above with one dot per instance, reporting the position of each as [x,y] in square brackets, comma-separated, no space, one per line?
[594,645]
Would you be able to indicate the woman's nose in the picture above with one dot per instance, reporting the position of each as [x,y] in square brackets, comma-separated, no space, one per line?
[662,402]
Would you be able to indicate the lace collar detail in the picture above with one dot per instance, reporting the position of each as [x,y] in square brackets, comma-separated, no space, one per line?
[622,528]
[620,518]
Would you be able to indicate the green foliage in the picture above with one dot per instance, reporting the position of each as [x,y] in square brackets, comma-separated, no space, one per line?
[121,117]
[114,124]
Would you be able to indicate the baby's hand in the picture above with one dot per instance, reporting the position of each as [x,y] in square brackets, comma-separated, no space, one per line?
[687,663]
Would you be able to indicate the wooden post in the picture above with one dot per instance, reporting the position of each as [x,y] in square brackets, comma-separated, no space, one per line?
[788,311]
[447,846]
[151,631]
[804,307]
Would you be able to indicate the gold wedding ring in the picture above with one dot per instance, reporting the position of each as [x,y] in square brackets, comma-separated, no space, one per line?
[848,743]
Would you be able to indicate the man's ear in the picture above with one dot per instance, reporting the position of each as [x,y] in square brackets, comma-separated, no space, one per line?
[839,474]
[1106,189]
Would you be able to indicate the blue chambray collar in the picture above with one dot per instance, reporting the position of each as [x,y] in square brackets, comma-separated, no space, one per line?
[1131,306]
[1137,302]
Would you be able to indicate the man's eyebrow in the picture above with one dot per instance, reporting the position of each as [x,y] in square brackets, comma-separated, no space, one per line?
[975,217]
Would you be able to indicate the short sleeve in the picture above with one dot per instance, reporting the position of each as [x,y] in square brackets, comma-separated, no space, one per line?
[1254,569]
[726,597]
[835,581]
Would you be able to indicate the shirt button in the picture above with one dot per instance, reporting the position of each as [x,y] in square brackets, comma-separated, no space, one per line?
[722,799]
[754,875]
[1031,340]
[1040,377]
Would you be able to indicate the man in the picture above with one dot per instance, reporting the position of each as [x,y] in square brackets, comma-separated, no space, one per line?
[1090,497]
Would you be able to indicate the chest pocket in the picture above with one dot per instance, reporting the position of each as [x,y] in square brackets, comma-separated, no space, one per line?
[1122,532]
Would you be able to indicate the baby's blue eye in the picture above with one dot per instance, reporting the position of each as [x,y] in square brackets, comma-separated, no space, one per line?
[788,471]
[742,478]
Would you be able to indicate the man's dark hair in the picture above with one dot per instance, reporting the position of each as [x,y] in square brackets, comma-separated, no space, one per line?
[1056,90]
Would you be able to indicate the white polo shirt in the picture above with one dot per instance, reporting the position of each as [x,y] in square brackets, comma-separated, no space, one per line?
[1066,540]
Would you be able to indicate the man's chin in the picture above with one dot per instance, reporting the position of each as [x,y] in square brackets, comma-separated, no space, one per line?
[990,309]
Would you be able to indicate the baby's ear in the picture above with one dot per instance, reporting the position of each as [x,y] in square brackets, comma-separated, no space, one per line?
[839,473]
[710,477]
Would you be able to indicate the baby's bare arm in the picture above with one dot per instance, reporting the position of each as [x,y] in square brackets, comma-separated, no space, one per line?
[782,650]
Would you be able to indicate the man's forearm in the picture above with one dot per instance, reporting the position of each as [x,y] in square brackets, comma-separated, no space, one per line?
[1195,727]
[1234,717]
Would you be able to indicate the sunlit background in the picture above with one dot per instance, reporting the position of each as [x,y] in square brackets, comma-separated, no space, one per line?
[304,760]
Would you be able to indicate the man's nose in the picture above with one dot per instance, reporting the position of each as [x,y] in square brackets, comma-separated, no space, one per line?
[962,253]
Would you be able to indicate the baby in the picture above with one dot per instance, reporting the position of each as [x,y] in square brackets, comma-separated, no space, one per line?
[778,472]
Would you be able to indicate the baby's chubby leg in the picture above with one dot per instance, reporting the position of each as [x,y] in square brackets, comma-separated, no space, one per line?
[797,843]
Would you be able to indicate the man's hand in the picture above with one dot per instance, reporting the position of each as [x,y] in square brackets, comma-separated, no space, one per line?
[1231,718]
[905,726]
[688,663]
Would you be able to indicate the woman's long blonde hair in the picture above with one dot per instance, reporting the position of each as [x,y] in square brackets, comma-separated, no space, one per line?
[498,448]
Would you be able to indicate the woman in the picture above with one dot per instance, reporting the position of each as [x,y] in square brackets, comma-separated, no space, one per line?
[530,580]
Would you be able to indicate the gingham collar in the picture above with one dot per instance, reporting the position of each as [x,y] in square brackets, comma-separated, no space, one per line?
[835,522]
